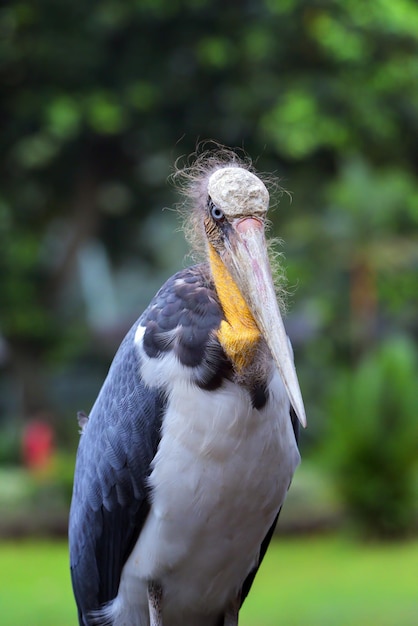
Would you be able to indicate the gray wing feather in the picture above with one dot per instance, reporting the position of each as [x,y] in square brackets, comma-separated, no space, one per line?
[110,497]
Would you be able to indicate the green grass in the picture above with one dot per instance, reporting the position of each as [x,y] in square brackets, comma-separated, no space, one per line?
[34,585]
[333,582]
[303,582]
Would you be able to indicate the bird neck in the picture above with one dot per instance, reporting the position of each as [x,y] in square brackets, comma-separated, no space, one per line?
[238,333]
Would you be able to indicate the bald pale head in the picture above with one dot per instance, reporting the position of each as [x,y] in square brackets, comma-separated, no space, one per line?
[238,192]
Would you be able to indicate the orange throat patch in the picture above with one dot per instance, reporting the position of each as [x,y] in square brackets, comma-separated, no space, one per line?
[238,333]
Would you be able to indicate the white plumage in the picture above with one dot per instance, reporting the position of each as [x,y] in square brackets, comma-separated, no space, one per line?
[218,481]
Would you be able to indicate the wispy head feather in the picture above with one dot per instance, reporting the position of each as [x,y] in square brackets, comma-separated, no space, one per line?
[192,180]
[192,176]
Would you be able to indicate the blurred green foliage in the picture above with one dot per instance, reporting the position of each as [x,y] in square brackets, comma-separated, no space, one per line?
[9,445]
[97,102]
[373,440]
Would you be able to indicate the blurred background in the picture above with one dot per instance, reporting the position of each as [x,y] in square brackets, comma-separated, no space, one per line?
[98,101]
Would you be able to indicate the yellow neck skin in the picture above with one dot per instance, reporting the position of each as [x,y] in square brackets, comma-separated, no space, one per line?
[238,334]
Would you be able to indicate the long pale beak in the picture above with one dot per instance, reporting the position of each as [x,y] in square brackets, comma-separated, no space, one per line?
[250,267]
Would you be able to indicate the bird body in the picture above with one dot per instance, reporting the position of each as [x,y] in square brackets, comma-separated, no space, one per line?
[187,455]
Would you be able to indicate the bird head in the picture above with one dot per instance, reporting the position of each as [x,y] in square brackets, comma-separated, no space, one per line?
[232,207]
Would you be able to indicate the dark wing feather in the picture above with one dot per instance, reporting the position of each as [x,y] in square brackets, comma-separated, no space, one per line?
[110,498]
[295,423]
[121,436]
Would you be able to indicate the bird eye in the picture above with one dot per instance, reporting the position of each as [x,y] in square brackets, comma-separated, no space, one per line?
[216,213]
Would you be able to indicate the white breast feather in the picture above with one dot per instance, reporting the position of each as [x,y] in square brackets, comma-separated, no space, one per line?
[219,477]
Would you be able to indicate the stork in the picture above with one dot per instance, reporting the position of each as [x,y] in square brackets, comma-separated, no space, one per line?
[188,452]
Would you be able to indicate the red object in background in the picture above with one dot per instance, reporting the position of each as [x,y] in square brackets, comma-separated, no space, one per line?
[38,445]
